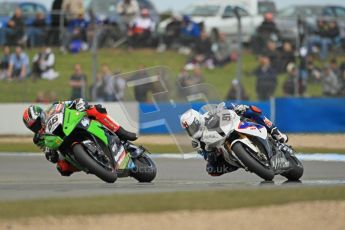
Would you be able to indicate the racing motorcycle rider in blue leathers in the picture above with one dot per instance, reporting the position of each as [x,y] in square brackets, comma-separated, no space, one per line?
[193,122]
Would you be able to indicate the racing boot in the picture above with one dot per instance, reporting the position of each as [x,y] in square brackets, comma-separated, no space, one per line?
[65,168]
[279,136]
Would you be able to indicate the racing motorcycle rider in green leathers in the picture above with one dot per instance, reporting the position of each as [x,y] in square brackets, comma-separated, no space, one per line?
[34,116]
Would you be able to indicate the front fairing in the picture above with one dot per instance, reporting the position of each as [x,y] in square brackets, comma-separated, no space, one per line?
[252,129]
[218,126]
[59,121]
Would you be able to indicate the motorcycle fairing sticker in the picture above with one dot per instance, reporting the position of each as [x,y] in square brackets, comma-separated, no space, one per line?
[248,125]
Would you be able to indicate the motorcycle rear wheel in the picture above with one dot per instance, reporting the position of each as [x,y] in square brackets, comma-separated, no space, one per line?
[86,161]
[252,164]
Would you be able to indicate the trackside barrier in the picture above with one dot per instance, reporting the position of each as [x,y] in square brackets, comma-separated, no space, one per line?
[326,115]
[11,122]
[164,118]
[291,115]
[300,115]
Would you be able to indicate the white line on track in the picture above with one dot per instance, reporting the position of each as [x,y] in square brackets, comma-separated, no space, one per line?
[332,157]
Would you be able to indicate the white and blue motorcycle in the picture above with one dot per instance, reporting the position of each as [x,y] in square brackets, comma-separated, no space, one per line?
[247,145]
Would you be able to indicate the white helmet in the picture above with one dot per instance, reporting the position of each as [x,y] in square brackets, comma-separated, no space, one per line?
[193,122]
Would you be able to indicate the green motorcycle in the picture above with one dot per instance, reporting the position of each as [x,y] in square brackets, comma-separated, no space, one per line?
[91,147]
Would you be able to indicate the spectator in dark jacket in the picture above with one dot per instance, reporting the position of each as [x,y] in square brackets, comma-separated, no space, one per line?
[78,83]
[55,14]
[268,27]
[273,54]
[37,32]
[266,81]
[267,30]
[13,34]
[171,33]
[203,51]
[286,57]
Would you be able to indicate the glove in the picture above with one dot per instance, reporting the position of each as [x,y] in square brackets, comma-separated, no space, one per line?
[52,156]
[203,153]
[196,144]
[81,105]
[38,141]
[240,109]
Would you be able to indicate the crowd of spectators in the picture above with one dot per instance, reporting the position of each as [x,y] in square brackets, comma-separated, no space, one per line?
[16,65]
[279,58]
[325,37]
[276,58]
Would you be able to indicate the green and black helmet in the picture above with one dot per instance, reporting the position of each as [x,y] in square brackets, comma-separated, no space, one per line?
[33,117]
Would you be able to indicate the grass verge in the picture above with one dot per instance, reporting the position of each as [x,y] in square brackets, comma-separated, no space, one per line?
[122,60]
[158,202]
[153,148]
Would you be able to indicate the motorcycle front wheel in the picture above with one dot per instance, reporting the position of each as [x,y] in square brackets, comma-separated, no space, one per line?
[145,170]
[296,169]
[251,163]
[86,161]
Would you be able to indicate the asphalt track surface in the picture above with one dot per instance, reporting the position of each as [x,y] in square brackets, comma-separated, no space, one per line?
[25,176]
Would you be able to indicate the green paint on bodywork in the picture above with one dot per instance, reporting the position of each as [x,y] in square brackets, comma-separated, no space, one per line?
[71,119]
[52,141]
[96,129]
[124,163]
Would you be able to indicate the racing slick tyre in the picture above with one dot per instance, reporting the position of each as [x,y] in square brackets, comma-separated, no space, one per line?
[296,171]
[252,164]
[86,161]
[145,170]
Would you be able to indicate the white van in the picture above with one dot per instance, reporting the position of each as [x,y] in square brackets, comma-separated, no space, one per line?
[220,14]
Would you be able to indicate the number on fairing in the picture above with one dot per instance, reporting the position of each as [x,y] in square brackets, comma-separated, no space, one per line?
[53,123]
[226,117]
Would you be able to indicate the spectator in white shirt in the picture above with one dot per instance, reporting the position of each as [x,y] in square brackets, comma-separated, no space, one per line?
[43,64]
[140,32]
[18,65]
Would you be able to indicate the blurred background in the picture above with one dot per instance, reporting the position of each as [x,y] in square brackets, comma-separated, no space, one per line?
[147,62]
[281,55]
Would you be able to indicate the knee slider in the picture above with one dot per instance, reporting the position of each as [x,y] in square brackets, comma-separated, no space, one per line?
[255,109]
[101,109]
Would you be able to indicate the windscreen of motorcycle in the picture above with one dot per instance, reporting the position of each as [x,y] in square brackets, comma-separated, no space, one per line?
[218,127]
[54,118]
